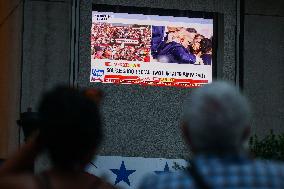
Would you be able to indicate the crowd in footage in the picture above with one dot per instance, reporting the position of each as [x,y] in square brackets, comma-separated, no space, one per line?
[180,45]
[121,42]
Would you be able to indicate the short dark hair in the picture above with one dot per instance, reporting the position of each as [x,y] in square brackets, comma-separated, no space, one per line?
[191,30]
[71,127]
[205,45]
[199,35]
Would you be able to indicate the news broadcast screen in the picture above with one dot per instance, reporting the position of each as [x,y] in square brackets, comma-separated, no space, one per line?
[151,49]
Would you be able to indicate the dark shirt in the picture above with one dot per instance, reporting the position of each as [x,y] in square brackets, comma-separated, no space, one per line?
[157,39]
[207,59]
[174,52]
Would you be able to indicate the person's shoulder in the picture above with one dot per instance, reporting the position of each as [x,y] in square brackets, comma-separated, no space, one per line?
[16,181]
[270,164]
[266,168]
[175,44]
[165,180]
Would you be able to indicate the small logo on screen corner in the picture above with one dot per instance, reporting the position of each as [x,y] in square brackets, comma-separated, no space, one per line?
[97,73]
[102,17]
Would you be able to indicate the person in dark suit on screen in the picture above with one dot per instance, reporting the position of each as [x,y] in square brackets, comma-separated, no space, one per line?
[174,50]
[157,39]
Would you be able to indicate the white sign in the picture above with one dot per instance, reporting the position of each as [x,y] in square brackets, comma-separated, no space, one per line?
[127,172]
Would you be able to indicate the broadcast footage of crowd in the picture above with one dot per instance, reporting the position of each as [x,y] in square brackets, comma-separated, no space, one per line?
[151,50]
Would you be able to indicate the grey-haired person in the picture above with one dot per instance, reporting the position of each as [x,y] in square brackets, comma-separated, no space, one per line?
[216,125]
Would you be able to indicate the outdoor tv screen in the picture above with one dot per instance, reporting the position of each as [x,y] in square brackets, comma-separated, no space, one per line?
[129,48]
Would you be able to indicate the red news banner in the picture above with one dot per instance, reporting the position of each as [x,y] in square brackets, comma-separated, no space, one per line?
[142,74]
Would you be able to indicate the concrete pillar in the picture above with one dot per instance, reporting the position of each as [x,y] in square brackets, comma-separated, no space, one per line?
[264,63]
[10,74]
[46,55]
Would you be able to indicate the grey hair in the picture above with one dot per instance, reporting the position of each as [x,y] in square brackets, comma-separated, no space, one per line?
[216,116]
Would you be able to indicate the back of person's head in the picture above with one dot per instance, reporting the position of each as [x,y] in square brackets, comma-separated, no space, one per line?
[199,36]
[205,45]
[71,127]
[191,30]
[216,118]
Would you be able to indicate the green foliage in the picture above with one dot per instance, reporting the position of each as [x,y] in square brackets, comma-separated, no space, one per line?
[269,147]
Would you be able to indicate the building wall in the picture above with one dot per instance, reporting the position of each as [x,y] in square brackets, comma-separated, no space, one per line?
[10,74]
[46,48]
[264,64]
